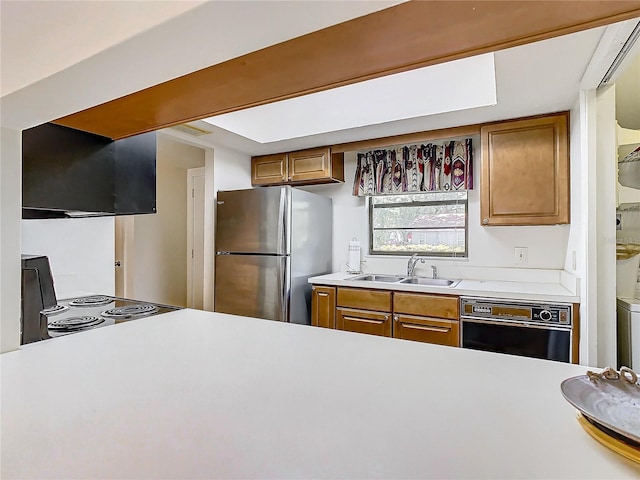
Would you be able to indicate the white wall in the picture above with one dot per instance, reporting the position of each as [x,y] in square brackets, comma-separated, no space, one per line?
[10,204]
[159,260]
[80,251]
[488,246]
[232,169]
[606,153]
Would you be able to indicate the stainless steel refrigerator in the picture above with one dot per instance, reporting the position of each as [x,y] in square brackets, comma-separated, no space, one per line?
[269,241]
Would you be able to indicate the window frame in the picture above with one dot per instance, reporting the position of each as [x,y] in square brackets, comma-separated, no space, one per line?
[464,254]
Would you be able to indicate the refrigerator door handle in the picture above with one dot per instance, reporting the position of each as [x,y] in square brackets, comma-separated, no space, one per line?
[283,231]
[284,280]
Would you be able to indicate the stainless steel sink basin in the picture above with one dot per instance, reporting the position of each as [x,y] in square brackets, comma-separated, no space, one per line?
[434,282]
[378,278]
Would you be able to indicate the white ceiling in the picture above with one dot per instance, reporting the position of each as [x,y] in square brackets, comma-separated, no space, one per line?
[140,55]
[40,38]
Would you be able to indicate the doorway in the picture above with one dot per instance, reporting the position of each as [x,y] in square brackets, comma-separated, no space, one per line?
[152,250]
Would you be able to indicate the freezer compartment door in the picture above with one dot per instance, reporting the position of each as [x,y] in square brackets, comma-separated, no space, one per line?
[253,286]
[253,221]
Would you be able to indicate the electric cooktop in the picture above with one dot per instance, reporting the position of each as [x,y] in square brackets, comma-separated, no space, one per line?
[94,311]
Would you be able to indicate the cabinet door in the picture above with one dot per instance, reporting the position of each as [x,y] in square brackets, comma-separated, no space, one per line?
[425,329]
[317,165]
[525,172]
[269,169]
[323,307]
[363,321]
[361,298]
[426,305]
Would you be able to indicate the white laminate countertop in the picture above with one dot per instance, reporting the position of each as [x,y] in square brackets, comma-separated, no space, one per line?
[531,291]
[192,394]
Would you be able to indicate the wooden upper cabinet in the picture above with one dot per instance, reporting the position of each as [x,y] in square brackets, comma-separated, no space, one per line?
[315,166]
[525,172]
[269,169]
[303,167]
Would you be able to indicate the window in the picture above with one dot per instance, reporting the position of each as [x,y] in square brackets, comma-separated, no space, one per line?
[432,224]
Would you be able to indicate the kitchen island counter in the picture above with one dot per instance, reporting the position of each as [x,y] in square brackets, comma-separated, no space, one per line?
[192,394]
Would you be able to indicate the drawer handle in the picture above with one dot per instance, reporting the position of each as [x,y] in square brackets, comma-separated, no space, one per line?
[428,329]
[366,320]
[323,294]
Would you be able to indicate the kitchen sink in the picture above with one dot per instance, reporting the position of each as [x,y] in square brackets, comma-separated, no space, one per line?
[378,278]
[434,282]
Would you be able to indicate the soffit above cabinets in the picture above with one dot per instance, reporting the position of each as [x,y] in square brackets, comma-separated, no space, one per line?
[393,40]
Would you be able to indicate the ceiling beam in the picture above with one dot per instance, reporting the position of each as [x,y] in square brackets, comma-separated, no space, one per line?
[400,38]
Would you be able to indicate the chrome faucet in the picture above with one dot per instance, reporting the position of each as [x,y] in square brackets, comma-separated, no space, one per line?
[411,266]
[434,272]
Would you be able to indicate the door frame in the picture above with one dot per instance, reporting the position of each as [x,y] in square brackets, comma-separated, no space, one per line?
[123,253]
[191,174]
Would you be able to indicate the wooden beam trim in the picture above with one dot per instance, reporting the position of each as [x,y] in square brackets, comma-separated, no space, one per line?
[285,70]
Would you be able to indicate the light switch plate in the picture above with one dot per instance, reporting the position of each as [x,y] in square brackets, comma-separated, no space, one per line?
[521,255]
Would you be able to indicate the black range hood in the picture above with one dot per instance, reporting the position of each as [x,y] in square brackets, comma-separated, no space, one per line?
[69,173]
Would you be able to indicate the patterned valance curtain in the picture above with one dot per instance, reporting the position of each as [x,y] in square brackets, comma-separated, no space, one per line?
[415,168]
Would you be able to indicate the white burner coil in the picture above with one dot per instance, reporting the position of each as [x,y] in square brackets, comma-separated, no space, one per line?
[74,323]
[91,301]
[130,311]
[55,310]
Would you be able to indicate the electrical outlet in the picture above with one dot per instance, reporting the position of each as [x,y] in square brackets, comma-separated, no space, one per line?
[521,255]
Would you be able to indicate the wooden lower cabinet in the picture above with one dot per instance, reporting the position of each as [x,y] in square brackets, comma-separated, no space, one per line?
[363,299]
[421,317]
[427,305]
[323,306]
[426,329]
[426,318]
[364,311]
[363,321]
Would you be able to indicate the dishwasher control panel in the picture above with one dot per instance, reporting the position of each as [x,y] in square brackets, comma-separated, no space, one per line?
[489,309]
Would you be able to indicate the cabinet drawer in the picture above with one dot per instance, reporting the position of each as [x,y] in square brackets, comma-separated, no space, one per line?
[364,299]
[441,306]
[363,321]
[424,329]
